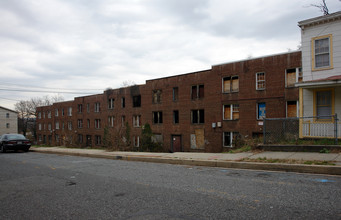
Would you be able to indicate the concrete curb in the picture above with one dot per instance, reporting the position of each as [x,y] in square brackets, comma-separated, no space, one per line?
[300,168]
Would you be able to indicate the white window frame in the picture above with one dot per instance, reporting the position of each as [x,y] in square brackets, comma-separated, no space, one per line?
[258,81]
[97,107]
[111,120]
[314,54]
[56,112]
[232,107]
[57,125]
[80,123]
[97,123]
[69,125]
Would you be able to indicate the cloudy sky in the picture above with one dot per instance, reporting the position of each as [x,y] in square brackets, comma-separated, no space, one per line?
[79,47]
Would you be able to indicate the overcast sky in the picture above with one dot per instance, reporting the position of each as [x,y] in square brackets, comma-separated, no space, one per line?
[86,46]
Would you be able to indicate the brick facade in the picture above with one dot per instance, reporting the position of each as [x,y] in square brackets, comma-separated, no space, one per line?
[198,111]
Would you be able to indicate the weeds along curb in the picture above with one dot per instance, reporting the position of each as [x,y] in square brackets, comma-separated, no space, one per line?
[300,168]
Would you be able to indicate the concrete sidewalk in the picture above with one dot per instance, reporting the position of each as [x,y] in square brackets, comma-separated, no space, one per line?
[225,160]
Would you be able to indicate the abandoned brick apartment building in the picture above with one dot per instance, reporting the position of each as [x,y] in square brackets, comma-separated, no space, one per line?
[201,111]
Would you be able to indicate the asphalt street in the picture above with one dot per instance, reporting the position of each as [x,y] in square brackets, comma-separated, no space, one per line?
[47,186]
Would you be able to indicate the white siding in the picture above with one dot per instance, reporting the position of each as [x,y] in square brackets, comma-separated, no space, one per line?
[307,34]
[308,99]
[12,121]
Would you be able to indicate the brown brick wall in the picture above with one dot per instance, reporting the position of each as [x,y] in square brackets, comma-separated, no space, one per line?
[275,95]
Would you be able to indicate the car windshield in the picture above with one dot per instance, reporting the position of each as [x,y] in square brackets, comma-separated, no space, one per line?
[15,137]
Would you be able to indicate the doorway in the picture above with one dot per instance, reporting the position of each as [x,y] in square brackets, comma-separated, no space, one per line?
[176,143]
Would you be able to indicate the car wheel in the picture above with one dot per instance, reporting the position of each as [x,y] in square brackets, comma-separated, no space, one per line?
[2,149]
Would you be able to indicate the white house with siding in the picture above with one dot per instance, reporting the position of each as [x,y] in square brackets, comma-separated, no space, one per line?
[320,89]
[8,121]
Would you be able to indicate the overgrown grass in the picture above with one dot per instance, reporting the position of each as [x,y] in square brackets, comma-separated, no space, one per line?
[288,161]
[240,150]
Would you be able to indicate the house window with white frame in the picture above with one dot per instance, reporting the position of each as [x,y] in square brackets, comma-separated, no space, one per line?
[260,81]
[137,120]
[49,126]
[57,125]
[39,127]
[56,112]
[322,57]
[230,84]
[231,112]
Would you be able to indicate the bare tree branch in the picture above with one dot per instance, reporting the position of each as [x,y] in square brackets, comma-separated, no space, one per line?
[323,7]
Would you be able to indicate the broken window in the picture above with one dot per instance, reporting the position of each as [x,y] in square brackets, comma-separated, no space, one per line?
[97,139]
[176,117]
[136,141]
[260,81]
[97,123]
[230,84]
[229,138]
[157,117]
[123,102]
[111,121]
[111,103]
[69,125]
[80,108]
[69,111]
[97,107]
[137,120]
[80,123]
[197,92]
[231,112]
[157,96]
[137,101]
[198,116]
[175,94]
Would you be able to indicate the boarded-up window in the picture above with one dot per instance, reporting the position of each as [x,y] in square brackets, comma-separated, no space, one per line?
[291,77]
[198,139]
[230,84]
[231,112]
[291,109]
[260,81]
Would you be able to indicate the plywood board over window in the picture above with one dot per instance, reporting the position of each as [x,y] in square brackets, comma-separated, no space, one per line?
[198,139]
[292,109]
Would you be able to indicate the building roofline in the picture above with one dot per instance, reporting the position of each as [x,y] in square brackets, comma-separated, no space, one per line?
[183,74]
[320,19]
[255,58]
[8,109]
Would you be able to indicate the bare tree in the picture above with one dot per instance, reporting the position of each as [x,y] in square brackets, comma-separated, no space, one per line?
[322,6]
[27,111]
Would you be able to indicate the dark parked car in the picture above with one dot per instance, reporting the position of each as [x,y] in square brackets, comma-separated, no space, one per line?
[14,142]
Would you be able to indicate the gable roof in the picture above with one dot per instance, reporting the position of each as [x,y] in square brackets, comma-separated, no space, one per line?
[8,109]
